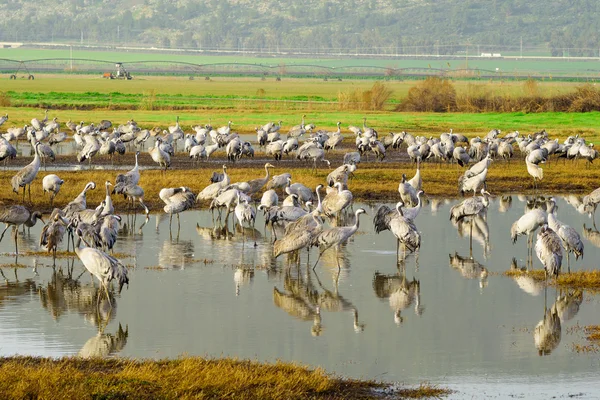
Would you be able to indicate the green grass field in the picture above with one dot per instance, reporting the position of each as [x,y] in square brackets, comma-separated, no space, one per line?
[508,67]
[250,102]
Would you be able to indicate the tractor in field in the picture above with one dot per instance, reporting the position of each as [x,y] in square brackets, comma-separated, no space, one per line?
[121,73]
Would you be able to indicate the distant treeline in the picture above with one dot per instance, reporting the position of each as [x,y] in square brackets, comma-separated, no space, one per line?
[562,27]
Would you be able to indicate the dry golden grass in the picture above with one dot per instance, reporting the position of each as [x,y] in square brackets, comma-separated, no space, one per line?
[589,280]
[189,377]
[373,181]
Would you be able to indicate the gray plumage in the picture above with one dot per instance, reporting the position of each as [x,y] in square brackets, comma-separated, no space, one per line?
[336,201]
[257,184]
[472,183]
[16,216]
[402,228]
[103,266]
[352,157]
[408,194]
[299,236]
[26,175]
[470,207]
[80,202]
[335,236]
[548,249]
[212,190]
[571,240]
[53,233]
[279,181]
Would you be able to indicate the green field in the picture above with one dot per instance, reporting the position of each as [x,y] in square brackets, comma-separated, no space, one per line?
[206,64]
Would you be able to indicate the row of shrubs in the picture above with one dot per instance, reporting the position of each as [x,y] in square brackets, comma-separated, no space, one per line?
[439,95]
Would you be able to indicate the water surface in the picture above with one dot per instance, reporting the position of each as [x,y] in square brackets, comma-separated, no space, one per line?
[204,291]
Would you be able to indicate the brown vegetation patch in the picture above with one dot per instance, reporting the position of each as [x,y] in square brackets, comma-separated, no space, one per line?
[589,280]
[439,95]
[190,377]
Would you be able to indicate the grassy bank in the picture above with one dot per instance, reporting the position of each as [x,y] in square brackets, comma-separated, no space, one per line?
[372,182]
[190,377]
[557,124]
[589,280]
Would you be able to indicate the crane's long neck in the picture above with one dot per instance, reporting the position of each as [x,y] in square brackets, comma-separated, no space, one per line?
[136,162]
[267,172]
[319,205]
[357,222]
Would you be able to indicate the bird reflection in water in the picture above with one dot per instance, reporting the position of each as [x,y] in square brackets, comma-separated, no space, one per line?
[469,268]
[400,292]
[477,228]
[104,344]
[504,203]
[176,253]
[547,333]
[527,283]
[128,225]
[14,291]
[592,235]
[567,304]
[65,294]
[302,299]
[216,232]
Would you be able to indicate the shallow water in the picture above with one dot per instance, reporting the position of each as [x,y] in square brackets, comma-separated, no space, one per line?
[204,292]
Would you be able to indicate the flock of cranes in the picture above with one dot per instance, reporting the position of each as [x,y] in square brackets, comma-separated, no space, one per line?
[296,222]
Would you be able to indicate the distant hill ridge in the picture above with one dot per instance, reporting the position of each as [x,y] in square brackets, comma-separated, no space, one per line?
[561,27]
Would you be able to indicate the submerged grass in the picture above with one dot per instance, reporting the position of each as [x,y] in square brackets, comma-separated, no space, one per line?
[589,279]
[188,377]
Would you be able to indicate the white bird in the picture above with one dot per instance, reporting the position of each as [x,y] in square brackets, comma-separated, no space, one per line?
[408,194]
[335,202]
[279,181]
[26,175]
[536,172]
[103,266]
[269,199]
[526,225]
[212,190]
[245,214]
[51,184]
[90,149]
[176,200]
[159,156]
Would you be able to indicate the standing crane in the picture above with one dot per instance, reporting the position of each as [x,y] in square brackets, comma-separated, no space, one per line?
[26,175]
[336,236]
[51,184]
[176,200]
[402,228]
[103,266]
[548,249]
[16,216]
[526,225]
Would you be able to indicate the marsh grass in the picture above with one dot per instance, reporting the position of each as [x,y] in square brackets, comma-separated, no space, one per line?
[373,181]
[587,279]
[187,377]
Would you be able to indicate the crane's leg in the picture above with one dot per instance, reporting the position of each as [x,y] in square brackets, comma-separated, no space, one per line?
[170,220]
[568,262]
[471,239]
[29,191]
[178,224]
[107,295]
[318,258]
[3,232]
[16,245]
[24,190]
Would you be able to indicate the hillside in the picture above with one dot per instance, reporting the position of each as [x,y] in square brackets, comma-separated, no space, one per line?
[379,26]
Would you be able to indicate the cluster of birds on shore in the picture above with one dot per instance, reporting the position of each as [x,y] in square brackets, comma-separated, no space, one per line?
[296,222]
